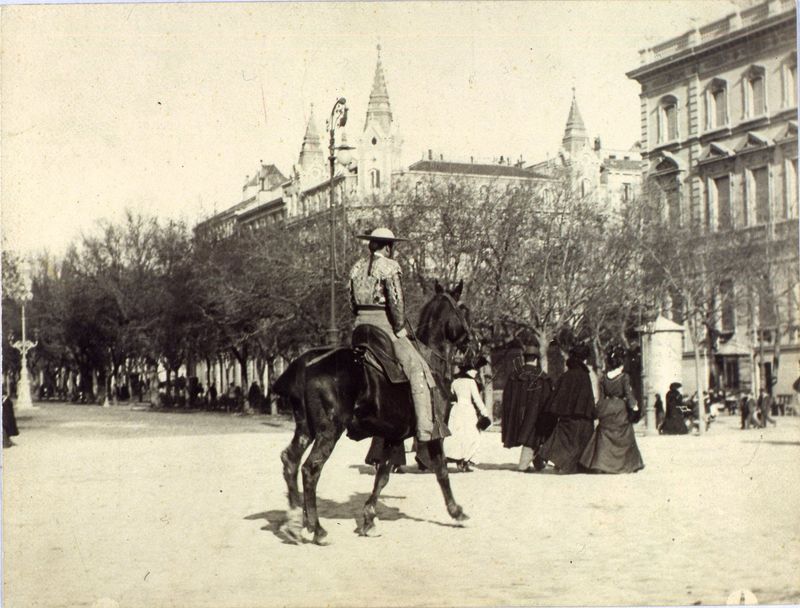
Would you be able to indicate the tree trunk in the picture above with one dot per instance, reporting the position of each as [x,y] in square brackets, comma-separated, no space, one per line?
[698,376]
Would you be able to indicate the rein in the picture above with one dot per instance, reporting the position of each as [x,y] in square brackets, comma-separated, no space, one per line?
[444,357]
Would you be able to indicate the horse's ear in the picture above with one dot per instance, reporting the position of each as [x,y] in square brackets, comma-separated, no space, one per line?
[437,286]
[456,293]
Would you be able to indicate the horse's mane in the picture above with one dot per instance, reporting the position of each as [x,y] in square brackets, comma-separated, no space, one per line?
[425,318]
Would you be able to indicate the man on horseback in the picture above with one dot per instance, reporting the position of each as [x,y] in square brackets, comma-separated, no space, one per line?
[376,296]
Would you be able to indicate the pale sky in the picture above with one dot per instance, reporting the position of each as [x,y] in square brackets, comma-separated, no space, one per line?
[159,107]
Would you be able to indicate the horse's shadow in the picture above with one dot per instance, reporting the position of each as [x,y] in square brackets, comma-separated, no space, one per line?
[413,469]
[350,509]
[490,466]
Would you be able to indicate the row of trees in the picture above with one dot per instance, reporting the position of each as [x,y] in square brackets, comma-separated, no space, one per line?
[546,265]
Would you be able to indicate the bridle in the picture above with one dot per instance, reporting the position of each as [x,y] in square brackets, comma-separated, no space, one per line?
[464,323]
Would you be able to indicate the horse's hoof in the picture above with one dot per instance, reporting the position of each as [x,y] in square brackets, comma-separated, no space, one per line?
[290,534]
[369,530]
[320,538]
[458,514]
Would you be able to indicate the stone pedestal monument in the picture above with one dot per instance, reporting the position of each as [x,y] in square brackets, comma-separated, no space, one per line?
[662,356]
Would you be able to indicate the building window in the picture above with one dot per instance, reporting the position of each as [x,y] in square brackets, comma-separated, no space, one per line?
[717,104]
[759,188]
[721,191]
[755,92]
[418,188]
[789,190]
[766,311]
[727,307]
[790,82]
[375,179]
[673,207]
[585,187]
[668,119]
[627,192]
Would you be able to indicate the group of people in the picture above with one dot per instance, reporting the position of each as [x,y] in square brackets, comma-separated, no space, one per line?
[554,422]
[681,417]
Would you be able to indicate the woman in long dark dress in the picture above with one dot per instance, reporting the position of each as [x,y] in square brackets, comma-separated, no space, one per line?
[9,422]
[612,448]
[572,404]
[674,422]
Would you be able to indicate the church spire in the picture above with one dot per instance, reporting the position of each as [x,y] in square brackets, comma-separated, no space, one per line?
[311,152]
[575,136]
[379,111]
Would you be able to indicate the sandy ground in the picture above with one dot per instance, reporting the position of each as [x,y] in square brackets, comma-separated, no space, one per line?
[115,507]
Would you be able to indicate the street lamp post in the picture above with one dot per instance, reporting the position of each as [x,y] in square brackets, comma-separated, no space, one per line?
[338,119]
[24,400]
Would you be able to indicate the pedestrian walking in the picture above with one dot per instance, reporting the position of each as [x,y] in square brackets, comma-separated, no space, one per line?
[659,407]
[752,409]
[765,401]
[612,448]
[526,391]
[674,422]
[572,404]
[463,443]
[9,420]
[376,455]
[744,410]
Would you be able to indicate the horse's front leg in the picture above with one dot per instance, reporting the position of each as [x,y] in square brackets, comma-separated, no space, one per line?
[291,457]
[312,467]
[439,464]
[381,479]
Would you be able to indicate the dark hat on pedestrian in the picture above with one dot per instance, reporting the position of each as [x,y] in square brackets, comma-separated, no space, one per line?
[580,351]
[531,351]
[675,386]
[381,235]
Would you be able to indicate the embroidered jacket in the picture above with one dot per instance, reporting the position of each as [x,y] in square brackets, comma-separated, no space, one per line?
[378,286]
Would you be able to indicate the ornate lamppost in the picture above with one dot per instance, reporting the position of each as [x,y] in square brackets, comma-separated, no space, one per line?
[25,295]
[338,119]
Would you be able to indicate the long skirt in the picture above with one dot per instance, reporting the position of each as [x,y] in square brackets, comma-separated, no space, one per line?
[464,440]
[565,446]
[612,448]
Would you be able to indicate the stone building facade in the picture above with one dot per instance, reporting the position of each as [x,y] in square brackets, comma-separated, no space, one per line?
[719,139]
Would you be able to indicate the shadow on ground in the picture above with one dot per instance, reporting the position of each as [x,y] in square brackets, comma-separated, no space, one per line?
[350,509]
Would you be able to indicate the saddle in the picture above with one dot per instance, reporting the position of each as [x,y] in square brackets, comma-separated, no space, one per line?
[376,349]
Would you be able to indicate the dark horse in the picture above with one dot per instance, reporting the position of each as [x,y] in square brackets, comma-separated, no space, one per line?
[331,391]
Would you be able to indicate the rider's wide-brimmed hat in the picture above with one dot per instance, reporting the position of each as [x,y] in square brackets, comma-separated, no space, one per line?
[382,235]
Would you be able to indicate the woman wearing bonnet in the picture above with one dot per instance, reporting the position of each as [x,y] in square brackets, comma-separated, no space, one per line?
[464,423]
[612,448]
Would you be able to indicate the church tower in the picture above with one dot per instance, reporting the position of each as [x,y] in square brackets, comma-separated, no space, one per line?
[575,136]
[379,145]
[312,156]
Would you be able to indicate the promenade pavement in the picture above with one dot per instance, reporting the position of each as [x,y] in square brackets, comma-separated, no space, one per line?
[107,507]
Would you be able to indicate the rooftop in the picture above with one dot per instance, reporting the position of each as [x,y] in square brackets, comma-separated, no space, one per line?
[709,35]
[492,170]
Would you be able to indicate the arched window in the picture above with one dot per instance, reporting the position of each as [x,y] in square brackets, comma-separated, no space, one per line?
[755,91]
[668,119]
[716,104]
[375,179]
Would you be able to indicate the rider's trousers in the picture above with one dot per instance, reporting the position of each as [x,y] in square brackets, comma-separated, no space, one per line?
[415,367]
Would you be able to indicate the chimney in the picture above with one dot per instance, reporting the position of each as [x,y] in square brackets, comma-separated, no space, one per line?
[441,157]
[471,160]
[430,154]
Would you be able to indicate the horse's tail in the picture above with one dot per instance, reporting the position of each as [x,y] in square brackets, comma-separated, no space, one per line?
[290,386]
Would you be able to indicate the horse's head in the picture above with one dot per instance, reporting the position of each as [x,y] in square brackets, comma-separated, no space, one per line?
[445,318]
